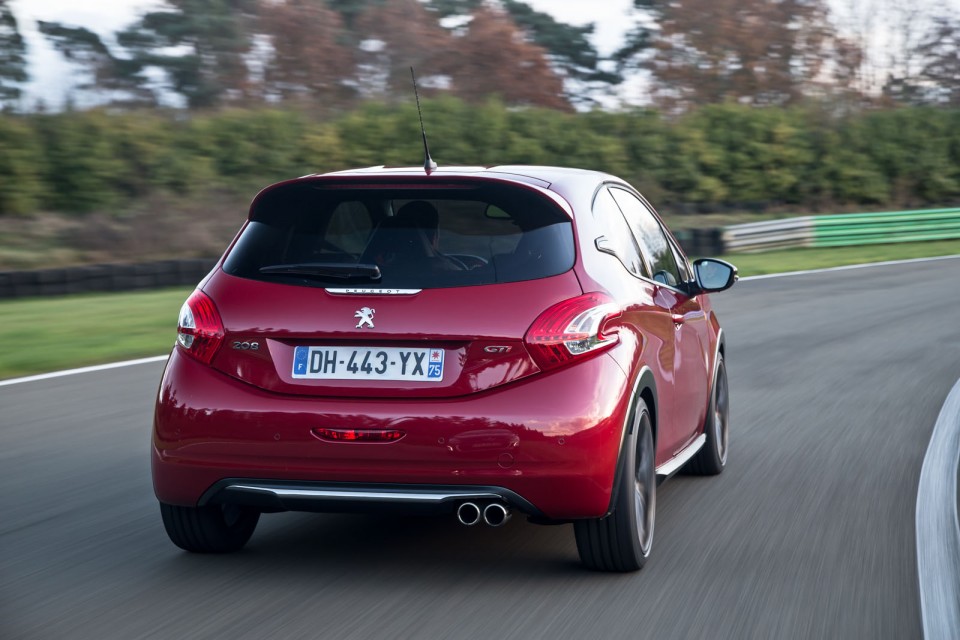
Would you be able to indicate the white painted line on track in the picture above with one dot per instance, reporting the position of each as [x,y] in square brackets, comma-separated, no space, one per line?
[938,527]
[848,267]
[70,372]
[128,363]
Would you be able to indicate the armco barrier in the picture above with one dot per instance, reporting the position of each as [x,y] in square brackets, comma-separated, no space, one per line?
[877,228]
[104,277]
[845,230]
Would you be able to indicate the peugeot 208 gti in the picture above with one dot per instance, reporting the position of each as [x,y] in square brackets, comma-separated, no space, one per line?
[470,341]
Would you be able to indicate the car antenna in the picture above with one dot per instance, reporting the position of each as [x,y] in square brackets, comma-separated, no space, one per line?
[428,163]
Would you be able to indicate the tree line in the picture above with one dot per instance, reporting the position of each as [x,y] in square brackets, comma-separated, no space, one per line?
[716,157]
[331,55]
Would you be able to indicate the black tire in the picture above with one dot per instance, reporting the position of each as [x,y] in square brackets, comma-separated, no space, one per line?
[210,529]
[622,540]
[712,458]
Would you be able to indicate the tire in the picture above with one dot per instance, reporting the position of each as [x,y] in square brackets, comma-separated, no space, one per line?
[712,458]
[622,540]
[209,529]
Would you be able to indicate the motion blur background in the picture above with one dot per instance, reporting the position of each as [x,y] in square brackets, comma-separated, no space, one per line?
[137,131]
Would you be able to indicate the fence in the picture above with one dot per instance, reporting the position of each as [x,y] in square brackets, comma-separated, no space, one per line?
[104,277]
[844,230]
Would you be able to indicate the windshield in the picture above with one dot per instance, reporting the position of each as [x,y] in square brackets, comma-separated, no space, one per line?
[403,238]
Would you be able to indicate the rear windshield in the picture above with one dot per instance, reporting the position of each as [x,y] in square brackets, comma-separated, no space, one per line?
[403,238]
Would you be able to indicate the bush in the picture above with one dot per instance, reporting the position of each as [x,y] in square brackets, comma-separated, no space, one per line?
[720,156]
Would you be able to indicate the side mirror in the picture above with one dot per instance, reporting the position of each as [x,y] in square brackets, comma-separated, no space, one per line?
[714,275]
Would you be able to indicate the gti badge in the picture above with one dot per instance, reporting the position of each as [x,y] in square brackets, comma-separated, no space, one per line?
[366,317]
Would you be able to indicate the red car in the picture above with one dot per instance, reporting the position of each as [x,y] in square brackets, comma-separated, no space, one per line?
[470,341]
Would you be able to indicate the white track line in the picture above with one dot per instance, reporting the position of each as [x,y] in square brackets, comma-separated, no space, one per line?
[70,372]
[128,363]
[848,267]
[938,527]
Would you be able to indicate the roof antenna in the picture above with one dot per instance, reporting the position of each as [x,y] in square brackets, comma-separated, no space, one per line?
[428,163]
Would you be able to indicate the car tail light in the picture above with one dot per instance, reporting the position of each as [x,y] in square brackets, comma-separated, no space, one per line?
[199,330]
[571,329]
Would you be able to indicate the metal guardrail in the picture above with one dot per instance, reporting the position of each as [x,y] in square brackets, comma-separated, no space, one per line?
[844,230]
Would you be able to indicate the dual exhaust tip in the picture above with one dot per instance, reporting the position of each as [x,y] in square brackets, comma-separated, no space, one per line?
[494,514]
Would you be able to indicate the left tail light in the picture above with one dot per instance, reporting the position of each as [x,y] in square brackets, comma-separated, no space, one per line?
[200,329]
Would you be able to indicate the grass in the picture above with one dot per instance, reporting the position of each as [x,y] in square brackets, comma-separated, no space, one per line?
[49,334]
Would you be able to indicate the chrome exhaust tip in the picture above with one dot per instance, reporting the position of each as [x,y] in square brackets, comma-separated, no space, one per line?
[468,514]
[496,514]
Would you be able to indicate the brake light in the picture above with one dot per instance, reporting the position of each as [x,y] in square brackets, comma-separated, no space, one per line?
[571,329]
[199,330]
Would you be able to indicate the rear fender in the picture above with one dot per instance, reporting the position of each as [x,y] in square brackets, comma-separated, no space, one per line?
[645,385]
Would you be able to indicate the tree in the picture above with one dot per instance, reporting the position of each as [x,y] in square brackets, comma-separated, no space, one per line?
[13,62]
[200,44]
[494,57]
[122,77]
[940,52]
[760,52]
[568,47]
[393,36]
[307,59]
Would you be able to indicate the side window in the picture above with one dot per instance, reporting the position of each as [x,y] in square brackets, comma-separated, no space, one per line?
[617,239]
[653,242]
[682,264]
[349,227]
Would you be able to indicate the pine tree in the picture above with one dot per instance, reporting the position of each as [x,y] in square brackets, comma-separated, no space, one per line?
[211,39]
[13,62]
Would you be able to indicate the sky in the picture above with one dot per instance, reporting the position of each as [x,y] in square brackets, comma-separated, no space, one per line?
[51,78]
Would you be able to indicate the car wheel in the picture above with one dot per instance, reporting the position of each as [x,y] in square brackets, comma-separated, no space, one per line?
[209,529]
[622,540]
[712,458]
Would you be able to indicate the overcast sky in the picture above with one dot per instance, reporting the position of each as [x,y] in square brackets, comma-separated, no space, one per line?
[51,79]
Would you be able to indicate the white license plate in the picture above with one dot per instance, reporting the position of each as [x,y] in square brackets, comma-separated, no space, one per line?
[363,363]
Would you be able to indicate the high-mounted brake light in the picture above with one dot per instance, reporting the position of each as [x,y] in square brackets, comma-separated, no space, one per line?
[570,329]
[199,330]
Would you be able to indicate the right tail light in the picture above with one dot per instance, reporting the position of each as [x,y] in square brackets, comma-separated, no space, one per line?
[571,329]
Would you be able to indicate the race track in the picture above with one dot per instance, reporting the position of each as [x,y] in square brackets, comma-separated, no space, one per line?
[836,382]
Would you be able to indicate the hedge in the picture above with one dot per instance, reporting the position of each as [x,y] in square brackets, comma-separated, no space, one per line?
[718,157]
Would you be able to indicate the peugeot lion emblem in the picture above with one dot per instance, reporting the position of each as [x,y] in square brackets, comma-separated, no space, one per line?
[366,317]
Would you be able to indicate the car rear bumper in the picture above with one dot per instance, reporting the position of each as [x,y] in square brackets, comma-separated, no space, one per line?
[547,445]
[275,495]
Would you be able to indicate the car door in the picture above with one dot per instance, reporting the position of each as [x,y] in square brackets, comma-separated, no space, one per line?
[690,388]
[647,311]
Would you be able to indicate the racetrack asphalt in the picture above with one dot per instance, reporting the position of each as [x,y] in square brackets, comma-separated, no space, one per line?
[836,381]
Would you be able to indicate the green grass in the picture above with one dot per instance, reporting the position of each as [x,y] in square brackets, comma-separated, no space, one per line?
[751,264]
[49,334]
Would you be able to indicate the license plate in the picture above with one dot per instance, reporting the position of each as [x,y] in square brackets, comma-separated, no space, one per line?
[362,363]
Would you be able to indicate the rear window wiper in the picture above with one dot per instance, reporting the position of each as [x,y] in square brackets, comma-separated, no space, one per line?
[324,270]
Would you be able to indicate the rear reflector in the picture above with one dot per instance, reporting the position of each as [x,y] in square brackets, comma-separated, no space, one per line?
[570,329]
[358,435]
